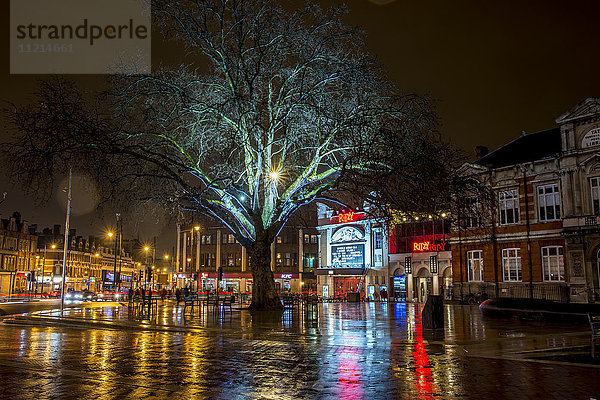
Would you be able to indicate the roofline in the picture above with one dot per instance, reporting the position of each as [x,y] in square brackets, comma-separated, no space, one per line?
[513,141]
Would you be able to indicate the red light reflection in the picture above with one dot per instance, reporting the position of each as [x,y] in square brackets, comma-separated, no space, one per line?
[349,380]
[423,377]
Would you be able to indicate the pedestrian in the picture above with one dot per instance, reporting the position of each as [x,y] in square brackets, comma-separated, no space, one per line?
[384,294]
[130,294]
[186,292]
[178,295]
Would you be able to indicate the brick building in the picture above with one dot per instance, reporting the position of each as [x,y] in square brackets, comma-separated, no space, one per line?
[18,244]
[538,236]
[205,246]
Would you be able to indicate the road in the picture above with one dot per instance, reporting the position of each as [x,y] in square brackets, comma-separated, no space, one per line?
[339,351]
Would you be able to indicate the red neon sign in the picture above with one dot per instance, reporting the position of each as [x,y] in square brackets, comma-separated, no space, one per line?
[348,216]
[419,247]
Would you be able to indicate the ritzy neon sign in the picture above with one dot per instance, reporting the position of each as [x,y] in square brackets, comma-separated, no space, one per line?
[419,247]
[348,216]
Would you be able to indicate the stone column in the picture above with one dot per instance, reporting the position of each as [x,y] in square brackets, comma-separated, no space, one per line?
[436,286]
[409,287]
[218,255]
[185,252]
[244,260]
[300,250]
[197,251]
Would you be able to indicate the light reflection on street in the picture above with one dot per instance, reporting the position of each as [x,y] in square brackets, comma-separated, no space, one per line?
[339,351]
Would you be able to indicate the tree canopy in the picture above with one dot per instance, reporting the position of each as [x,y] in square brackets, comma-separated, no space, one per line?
[279,109]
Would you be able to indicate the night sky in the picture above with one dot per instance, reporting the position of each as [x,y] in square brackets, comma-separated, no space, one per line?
[493,69]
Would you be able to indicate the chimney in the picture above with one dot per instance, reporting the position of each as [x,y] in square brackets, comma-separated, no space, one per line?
[481,151]
[56,230]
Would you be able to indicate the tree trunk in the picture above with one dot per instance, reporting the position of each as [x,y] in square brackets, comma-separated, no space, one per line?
[264,295]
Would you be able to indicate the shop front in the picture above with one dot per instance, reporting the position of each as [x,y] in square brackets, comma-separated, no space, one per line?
[242,282]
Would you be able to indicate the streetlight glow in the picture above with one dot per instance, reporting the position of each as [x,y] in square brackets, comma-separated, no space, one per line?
[110,234]
[146,248]
[166,256]
[197,228]
[274,175]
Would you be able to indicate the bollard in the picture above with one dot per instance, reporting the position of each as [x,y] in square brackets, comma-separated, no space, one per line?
[432,316]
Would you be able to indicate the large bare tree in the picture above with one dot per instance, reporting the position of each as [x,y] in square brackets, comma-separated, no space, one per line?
[275,110]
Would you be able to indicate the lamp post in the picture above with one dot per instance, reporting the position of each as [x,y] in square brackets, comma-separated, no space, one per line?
[146,249]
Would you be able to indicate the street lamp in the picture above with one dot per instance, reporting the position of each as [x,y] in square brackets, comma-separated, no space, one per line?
[146,250]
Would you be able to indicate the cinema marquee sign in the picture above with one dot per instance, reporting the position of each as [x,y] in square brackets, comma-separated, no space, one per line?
[348,216]
[421,247]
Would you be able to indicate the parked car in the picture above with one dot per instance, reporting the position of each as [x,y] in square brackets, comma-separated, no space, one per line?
[89,295]
[74,295]
[110,296]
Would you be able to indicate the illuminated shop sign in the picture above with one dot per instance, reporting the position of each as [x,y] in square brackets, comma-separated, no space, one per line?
[348,256]
[348,216]
[419,247]
[204,275]
[286,276]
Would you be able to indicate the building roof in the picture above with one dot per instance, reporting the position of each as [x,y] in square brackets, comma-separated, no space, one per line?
[526,148]
[587,108]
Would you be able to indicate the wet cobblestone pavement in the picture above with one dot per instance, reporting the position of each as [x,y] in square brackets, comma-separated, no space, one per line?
[338,351]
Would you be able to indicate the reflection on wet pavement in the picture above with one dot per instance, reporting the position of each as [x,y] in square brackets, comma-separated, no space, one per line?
[337,351]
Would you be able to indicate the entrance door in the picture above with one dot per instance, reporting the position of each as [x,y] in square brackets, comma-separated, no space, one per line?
[342,286]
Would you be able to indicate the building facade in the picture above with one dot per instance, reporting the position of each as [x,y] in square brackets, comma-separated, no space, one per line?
[18,245]
[353,253]
[90,263]
[420,258]
[539,235]
[203,248]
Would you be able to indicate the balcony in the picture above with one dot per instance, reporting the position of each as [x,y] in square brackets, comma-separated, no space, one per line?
[581,222]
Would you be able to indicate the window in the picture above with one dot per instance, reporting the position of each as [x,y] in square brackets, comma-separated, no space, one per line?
[595,182]
[306,238]
[509,206]
[511,265]
[314,239]
[472,211]
[549,202]
[475,265]
[553,264]
[279,239]
[310,260]
[378,239]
